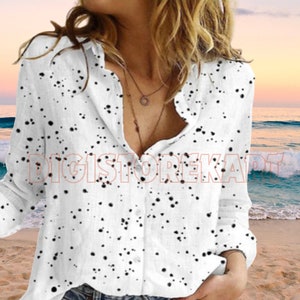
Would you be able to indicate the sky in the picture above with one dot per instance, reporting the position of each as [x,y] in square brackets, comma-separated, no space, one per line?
[268,32]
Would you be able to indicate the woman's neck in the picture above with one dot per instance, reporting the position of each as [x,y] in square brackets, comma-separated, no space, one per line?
[136,46]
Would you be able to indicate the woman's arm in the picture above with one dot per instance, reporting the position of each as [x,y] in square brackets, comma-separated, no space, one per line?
[237,268]
[20,189]
[228,286]
[234,240]
[233,219]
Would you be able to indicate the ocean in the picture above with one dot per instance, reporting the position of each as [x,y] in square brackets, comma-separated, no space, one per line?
[274,169]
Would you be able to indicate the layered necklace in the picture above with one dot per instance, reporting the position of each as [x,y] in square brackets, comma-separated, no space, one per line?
[144,100]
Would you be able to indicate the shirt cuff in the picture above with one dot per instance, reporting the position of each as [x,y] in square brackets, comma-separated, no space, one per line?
[237,238]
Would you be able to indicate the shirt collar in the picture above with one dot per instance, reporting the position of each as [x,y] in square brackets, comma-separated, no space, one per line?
[187,107]
[96,48]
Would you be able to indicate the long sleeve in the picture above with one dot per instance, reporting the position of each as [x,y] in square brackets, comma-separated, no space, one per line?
[22,186]
[233,223]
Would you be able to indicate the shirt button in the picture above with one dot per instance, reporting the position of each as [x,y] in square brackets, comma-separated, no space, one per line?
[138,212]
[137,259]
[138,167]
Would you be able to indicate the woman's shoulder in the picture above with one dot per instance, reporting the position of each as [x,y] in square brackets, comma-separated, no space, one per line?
[41,44]
[46,47]
[233,79]
[230,69]
[229,76]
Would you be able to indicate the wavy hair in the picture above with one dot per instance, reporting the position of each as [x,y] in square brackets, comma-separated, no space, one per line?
[183,32]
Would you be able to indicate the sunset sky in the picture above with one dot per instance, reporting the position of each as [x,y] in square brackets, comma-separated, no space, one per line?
[267,31]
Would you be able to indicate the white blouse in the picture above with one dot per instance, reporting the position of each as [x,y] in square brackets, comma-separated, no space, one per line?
[153,225]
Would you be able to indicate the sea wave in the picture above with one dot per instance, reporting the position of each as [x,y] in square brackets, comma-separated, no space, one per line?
[283,164]
[259,212]
[272,124]
[7,122]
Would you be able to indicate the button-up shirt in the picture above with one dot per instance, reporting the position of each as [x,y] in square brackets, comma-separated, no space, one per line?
[153,225]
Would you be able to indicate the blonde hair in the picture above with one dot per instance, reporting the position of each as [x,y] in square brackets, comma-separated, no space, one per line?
[184,32]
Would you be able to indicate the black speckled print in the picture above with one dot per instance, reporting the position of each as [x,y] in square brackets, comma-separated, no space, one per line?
[125,225]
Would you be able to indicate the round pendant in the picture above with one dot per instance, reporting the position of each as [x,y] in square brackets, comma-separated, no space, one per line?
[144,100]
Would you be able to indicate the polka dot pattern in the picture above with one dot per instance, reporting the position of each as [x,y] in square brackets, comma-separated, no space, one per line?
[124,224]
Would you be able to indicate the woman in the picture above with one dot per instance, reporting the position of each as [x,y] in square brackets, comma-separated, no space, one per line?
[134,123]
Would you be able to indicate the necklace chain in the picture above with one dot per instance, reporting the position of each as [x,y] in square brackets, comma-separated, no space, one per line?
[144,100]
[135,121]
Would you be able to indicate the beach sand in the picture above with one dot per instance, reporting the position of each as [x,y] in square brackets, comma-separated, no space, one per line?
[275,274]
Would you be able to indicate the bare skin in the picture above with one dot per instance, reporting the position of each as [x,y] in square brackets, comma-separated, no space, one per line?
[226,287]
[137,49]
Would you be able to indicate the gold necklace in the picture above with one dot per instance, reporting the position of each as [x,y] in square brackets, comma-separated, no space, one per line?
[144,100]
[135,121]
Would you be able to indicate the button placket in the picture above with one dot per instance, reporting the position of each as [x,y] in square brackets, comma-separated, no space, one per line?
[137,259]
[138,212]
[138,167]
